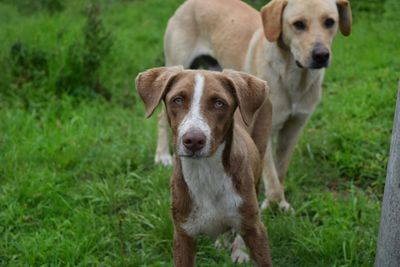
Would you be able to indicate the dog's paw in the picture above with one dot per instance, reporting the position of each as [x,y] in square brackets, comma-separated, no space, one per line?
[238,253]
[264,205]
[218,244]
[163,158]
[223,241]
[239,256]
[285,207]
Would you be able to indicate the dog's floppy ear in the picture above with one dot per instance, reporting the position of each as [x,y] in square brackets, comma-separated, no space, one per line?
[152,85]
[271,16]
[345,17]
[250,92]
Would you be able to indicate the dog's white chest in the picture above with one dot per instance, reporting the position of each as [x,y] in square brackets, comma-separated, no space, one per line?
[215,202]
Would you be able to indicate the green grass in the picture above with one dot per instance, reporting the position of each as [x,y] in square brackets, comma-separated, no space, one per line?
[77,181]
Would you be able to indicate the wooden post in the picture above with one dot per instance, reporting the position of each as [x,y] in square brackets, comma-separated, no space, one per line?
[388,251]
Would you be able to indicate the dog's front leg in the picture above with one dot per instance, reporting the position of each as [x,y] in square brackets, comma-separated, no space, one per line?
[184,249]
[163,155]
[238,250]
[273,189]
[287,139]
[256,240]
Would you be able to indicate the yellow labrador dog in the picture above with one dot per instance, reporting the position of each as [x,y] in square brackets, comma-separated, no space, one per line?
[288,44]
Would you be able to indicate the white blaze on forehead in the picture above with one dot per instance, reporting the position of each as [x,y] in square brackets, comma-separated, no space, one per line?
[194,119]
[198,93]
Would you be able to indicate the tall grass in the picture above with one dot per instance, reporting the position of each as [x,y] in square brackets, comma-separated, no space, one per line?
[77,181]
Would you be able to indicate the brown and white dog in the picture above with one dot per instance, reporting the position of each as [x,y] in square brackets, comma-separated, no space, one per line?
[219,123]
[288,44]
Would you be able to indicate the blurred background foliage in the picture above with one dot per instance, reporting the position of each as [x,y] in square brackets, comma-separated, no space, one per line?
[90,50]
[27,64]
[72,61]
[77,181]
[32,6]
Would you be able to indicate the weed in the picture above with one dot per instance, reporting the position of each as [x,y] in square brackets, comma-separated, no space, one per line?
[28,65]
[370,6]
[392,9]
[80,75]
[25,73]
[34,6]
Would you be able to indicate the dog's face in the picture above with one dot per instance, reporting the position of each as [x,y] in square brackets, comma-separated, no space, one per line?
[200,104]
[307,27]
[200,109]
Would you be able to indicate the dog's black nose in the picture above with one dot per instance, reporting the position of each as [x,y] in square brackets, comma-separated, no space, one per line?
[320,56]
[194,140]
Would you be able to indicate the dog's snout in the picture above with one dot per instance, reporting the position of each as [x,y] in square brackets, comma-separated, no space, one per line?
[194,140]
[320,56]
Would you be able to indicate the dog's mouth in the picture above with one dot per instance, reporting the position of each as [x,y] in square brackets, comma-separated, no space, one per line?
[192,156]
[316,66]
[299,64]
[185,153]
[313,66]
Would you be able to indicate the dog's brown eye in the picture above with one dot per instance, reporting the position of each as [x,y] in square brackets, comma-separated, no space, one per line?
[299,25]
[329,23]
[219,104]
[178,100]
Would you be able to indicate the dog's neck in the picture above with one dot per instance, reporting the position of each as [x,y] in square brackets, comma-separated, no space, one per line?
[217,164]
[206,174]
[281,44]
[282,63]
[215,201]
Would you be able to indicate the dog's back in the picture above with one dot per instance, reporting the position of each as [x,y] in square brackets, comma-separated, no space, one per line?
[188,36]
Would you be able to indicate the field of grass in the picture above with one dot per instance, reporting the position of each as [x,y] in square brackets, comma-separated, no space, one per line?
[78,186]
